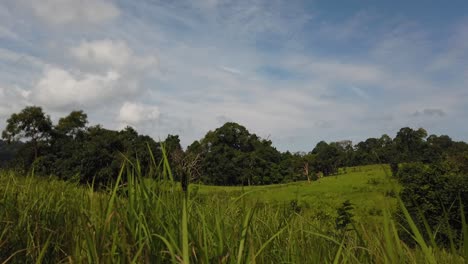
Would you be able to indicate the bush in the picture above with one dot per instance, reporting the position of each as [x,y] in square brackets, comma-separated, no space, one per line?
[345,217]
[433,195]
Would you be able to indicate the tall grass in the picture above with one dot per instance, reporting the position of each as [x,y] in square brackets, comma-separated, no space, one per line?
[142,220]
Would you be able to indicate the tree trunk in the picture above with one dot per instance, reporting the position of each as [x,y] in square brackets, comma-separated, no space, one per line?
[306,171]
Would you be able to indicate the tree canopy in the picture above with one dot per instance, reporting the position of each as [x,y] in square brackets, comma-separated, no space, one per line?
[228,155]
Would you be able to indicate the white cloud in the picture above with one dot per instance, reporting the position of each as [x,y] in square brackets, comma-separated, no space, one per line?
[208,67]
[103,52]
[115,54]
[62,12]
[59,89]
[136,113]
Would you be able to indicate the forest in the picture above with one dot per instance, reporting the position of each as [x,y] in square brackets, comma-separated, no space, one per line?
[228,155]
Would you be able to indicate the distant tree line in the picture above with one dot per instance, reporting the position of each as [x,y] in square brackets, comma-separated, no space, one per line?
[229,155]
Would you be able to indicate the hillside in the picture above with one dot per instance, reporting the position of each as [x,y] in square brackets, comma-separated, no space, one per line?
[369,188]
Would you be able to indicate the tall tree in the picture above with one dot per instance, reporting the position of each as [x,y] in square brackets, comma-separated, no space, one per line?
[327,157]
[231,155]
[410,144]
[29,124]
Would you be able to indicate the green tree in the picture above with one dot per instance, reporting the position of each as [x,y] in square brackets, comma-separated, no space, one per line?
[410,144]
[327,158]
[291,166]
[231,155]
[72,124]
[30,124]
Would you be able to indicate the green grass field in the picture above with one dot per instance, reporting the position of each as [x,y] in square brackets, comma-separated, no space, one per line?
[43,220]
[366,187]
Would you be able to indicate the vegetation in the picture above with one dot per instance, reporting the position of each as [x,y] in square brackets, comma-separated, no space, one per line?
[229,155]
[97,195]
[52,221]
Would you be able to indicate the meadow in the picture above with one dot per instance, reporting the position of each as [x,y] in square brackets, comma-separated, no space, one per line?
[369,188]
[140,220]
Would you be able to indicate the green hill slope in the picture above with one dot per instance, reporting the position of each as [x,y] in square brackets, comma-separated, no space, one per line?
[369,188]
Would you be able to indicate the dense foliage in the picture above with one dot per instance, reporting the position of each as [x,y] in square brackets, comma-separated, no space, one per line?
[229,155]
[436,196]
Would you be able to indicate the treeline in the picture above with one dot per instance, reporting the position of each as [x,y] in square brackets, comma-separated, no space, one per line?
[71,149]
[229,155]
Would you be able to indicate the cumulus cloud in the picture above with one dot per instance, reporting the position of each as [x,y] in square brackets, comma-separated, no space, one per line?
[207,70]
[108,72]
[136,113]
[62,12]
[59,88]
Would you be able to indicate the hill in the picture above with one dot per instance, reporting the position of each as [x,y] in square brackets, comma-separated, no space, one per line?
[368,188]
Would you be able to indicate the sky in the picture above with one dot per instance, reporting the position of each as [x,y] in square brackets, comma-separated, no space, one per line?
[294,72]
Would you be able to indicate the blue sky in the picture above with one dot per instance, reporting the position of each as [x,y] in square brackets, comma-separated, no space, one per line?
[296,72]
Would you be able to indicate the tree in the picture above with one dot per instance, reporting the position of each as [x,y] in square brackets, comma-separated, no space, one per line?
[291,166]
[99,158]
[410,144]
[72,124]
[327,158]
[231,155]
[30,124]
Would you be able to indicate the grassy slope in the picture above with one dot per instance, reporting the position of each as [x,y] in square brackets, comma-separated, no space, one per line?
[366,187]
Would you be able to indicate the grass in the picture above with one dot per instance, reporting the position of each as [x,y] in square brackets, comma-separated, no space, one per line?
[368,188]
[153,221]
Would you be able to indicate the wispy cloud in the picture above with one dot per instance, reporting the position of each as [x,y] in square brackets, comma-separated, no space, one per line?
[295,71]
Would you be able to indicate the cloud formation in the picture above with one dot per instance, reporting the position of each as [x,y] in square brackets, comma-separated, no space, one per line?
[137,113]
[59,89]
[298,72]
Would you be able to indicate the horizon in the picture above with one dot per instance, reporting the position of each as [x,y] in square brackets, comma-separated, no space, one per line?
[295,73]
